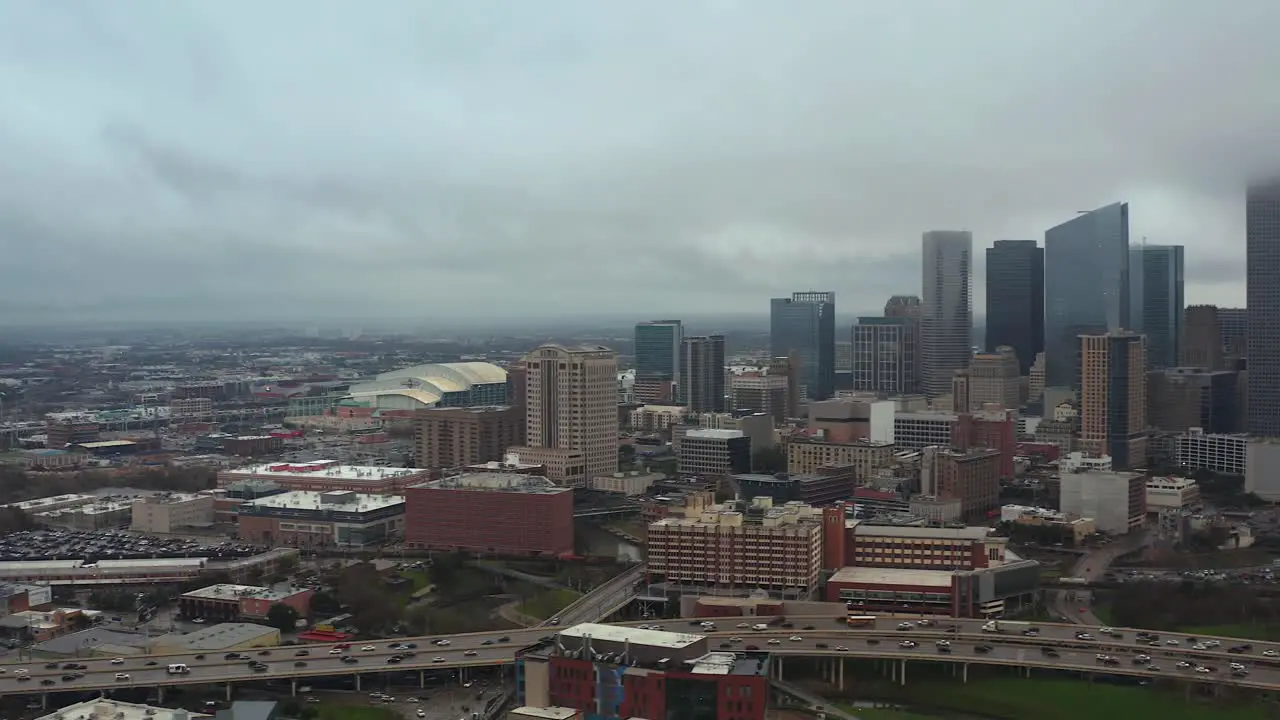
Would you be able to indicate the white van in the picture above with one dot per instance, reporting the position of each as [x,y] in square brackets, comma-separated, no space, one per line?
[179,669]
[759,626]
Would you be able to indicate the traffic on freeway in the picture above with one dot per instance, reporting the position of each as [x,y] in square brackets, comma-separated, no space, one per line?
[971,641]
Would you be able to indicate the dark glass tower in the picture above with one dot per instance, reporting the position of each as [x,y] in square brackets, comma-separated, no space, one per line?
[1086,286]
[657,350]
[1262,234]
[804,326]
[1015,299]
[702,371]
[1157,301]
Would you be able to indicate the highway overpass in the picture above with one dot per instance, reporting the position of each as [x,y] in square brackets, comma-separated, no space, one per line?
[827,639]
[601,602]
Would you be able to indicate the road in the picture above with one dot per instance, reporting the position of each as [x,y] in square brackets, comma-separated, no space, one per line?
[1008,649]
[602,601]
[1077,605]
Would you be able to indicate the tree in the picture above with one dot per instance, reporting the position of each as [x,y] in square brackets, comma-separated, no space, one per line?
[282,617]
[769,460]
[372,605]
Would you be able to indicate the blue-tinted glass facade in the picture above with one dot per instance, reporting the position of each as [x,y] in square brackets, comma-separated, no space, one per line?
[479,395]
[1157,301]
[657,349]
[805,324]
[1086,286]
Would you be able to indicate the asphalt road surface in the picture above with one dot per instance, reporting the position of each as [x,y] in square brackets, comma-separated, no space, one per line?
[1010,648]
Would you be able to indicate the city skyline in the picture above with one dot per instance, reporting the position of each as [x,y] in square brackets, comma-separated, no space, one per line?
[428,160]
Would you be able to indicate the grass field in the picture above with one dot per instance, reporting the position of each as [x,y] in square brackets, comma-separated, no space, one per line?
[356,712]
[1054,699]
[547,603]
[884,714]
[1247,632]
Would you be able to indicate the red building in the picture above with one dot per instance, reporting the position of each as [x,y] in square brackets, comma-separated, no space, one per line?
[235,602]
[490,513]
[665,675]
[992,429]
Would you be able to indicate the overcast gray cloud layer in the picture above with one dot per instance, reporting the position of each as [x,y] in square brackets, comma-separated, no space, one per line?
[488,157]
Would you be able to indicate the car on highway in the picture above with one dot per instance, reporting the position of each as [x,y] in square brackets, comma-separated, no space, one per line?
[796,638]
[302,653]
[470,653]
[1141,659]
[335,651]
[1183,664]
[117,661]
[775,641]
[504,638]
[905,626]
[1270,653]
[943,643]
[350,660]
[983,649]
[300,663]
[368,648]
[841,648]
[488,641]
[735,639]
[907,644]
[437,659]
[122,676]
[442,642]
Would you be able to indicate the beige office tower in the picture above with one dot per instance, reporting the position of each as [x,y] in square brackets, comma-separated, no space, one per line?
[994,378]
[1113,398]
[571,409]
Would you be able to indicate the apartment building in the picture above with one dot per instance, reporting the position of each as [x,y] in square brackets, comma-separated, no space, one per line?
[755,546]
[972,477]
[994,378]
[1113,397]
[760,393]
[169,512]
[805,454]
[451,437]
[1117,501]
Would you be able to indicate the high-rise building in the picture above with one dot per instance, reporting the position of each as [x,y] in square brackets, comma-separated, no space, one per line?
[1015,299]
[908,307]
[702,373]
[1086,286]
[946,310]
[1182,398]
[994,377]
[571,410]
[1234,324]
[1113,397]
[1156,301]
[1262,223]
[884,355]
[786,366]
[1203,346]
[657,351]
[803,326]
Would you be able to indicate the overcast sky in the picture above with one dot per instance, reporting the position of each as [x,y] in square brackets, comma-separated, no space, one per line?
[412,158]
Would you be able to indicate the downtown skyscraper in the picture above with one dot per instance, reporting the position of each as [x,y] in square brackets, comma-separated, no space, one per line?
[1015,299]
[946,308]
[1086,286]
[702,373]
[803,327]
[657,354]
[1262,271]
[1157,304]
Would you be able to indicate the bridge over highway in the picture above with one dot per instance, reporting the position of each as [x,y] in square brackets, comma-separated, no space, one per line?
[825,639]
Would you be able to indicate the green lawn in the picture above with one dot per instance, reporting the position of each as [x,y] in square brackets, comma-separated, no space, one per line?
[1247,632]
[1054,699]
[356,712]
[884,714]
[546,603]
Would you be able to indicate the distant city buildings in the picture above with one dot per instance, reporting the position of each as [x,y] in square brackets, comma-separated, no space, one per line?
[946,309]
[803,328]
[1015,299]
[657,355]
[702,371]
[1262,241]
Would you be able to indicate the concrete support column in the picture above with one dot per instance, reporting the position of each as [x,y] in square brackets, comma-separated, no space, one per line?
[903,672]
[840,674]
[357,682]
[964,673]
[779,660]
[228,692]
[893,671]
[160,695]
[44,701]
[422,679]
[293,687]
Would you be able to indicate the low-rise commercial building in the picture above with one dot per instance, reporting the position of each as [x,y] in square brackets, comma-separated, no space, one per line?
[746,546]
[1075,529]
[1219,452]
[712,453]
[656,418]
[326,475]
[491,513]
[101,514]
[1117,501]
[1164,493]
[106,709]
[805,454]
[223,637]
[169,512]
[630,484]
[338,518]
[827,484]
[230,603]
[56,502]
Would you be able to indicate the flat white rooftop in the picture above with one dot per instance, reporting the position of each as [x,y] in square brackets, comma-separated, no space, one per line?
[104,709]
[893,576]
[636,636]
[315,500]
[325,469]
[235,592]
[707,434]
[545,713]
[58,500]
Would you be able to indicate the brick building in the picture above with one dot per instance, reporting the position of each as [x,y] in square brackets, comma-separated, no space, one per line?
[491,513]
[450,437]
[229,603]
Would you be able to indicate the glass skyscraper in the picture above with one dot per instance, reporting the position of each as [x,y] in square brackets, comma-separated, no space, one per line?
[805,324]
[658,350]
[1262,270]
[1157,301]
[946,308]
[1015,299]
[1086,286]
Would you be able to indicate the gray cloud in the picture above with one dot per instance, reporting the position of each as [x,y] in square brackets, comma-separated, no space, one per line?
[424,159]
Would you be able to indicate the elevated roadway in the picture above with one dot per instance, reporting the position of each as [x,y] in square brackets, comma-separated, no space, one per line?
[602,601]
[825,640]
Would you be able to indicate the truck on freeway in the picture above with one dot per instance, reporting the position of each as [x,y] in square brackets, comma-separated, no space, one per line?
[1003,626]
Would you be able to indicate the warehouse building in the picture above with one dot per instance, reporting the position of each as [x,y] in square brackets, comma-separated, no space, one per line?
[338,518]
[223,637]
[324,475]
[234,602]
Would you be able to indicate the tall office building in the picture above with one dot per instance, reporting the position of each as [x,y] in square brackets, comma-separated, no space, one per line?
[884,355]
[1113,397]
[571,409]
[803,327]
[994,378]
[1086,286]
[702,371]
[1262,230]
[1234,324]
[908,307]
[1015,299]
[946,308]
[1156,301]
[657,351]
[1202,345]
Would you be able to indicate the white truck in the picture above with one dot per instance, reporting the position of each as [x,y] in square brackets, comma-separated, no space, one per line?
[1003,626]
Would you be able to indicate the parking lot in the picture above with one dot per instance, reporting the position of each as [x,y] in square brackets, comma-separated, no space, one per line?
[111,545]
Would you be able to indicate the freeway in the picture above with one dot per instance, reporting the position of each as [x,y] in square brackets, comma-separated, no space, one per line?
[602,601]
[1010,648]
